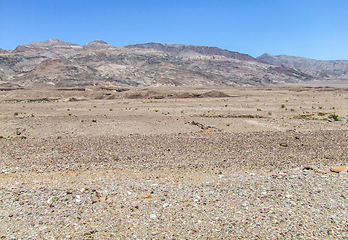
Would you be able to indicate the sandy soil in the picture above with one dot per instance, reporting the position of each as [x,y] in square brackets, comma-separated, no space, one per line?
[174,163]
[247,109]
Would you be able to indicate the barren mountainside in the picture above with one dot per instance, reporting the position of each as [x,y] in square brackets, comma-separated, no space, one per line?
[60,63]
[318,67]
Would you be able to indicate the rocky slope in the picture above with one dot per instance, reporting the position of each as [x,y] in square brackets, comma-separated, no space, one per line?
[318,68]
[60,63]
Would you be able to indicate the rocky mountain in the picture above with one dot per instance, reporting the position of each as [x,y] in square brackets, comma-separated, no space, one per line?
[97,44]
[46,46]
[192,52]
[318,68]
[60,63]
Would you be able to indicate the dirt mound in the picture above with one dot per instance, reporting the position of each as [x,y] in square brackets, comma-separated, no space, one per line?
[214,94]
[169,95]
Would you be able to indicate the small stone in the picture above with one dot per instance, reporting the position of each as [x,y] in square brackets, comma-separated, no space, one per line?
[50,201]
[109,201]
[146,196]
[283,144]
[165,205]
[153,216]
[339,169]
[11,215]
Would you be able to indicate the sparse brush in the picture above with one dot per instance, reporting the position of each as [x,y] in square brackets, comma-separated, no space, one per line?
[334,116]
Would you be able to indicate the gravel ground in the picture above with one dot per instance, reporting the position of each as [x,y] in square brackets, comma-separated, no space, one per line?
[175,186]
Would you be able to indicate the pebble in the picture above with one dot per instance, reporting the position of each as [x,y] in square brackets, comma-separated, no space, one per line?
[100,190]
[339,169]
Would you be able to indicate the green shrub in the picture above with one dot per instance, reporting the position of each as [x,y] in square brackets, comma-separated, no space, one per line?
[334,116]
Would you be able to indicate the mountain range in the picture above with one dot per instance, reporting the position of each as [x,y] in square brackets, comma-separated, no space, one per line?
[65,64]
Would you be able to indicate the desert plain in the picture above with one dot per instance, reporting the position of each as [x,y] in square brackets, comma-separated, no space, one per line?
[174,163]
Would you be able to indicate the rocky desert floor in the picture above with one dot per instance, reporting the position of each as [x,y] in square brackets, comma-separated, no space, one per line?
[174,163]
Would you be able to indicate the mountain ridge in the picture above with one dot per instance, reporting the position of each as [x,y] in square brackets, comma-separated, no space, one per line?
[60,63]
[319,67]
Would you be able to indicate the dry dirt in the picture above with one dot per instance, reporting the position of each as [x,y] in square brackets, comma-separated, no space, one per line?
[175,163]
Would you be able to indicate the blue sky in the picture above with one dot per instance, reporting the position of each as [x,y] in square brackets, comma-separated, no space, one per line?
[313,29]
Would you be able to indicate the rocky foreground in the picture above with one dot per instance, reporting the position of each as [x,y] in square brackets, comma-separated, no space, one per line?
[262,185]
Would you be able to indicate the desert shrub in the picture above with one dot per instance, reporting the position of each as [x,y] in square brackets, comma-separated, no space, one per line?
[334,116]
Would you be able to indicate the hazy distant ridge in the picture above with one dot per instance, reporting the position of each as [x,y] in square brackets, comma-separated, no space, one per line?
[336,67]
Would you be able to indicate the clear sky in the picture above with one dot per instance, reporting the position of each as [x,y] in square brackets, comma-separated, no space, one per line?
[308,28]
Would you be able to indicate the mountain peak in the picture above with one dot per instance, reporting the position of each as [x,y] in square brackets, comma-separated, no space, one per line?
[51,43]
[46,45]
[97,44]
[99,41]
